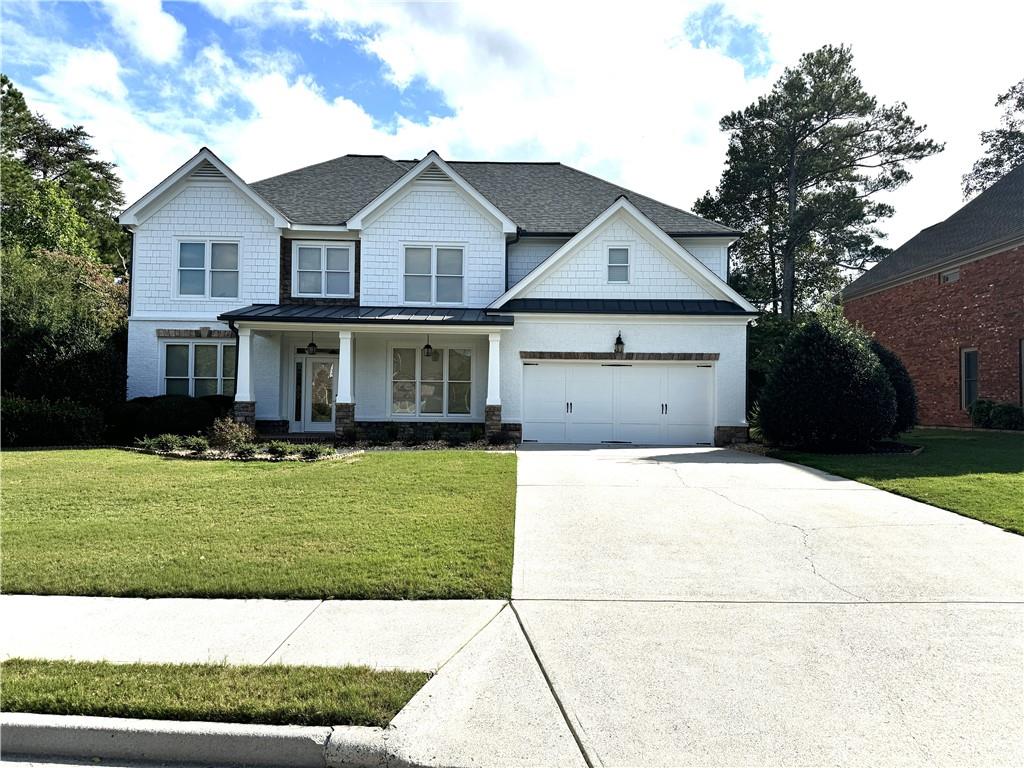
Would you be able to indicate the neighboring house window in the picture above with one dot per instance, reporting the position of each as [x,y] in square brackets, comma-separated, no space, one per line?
[618,264]
[199,368]
[438,385]
[968,377]
[208,269]
[322,269]
[949,276]
[433,274]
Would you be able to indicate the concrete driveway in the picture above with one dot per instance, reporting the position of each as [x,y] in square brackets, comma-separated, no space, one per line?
[709,607]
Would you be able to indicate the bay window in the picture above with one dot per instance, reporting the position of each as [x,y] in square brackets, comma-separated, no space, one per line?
[199,368]
[438,384]
[208,269]
[434,274]
[322,269]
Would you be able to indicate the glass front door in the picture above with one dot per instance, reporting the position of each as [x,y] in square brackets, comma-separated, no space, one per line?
[320,393]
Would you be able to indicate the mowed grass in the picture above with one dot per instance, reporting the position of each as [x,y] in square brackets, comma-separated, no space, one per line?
[274,695]
[411,524]
[977,474]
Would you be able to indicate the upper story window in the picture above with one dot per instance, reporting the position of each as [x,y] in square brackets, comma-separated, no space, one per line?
[208,268]
[434,274]
[618,264]
[322,269]
[199,368]
[949,276]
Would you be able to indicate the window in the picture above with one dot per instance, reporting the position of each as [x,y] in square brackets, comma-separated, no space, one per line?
[322,269]
[433,274]
[949,276]
[968,377]
[208,269]
[199,369]
[436,385]
[618,264]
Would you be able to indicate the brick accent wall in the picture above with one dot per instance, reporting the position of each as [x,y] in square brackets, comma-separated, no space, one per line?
[245,412]
[286,278]
[927,324]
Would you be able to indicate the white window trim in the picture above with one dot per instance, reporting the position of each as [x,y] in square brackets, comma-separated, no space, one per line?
[323,245]
[190,343]
[964,405]
[207,268]
[433,274]
[471,416]
[608,263]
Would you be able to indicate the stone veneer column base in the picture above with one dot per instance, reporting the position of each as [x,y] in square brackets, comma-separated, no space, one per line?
[245,412]
[729,435]
[344,421]
[492,420]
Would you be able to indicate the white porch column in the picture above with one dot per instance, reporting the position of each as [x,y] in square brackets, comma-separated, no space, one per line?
[243,365]
[344,367]
[494,369]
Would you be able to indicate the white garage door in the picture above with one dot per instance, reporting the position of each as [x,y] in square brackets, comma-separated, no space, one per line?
[650,403]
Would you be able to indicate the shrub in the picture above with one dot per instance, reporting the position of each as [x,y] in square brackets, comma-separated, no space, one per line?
[766,339]
[246,450]
[903,385]
[1006,416]
[226,434]
[177,414]
[195,444]
[280,448]
[314,451]
[27,421]
[166,442]
[828,389]
[981,412]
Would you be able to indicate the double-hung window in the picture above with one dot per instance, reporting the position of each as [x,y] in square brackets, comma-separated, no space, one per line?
[434,274]
[618,264]
[208,269]
[438,384]
[968,377]
[322,269]
[199,369]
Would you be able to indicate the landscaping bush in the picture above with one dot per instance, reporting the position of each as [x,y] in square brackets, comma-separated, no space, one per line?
[226,434]
[903,385]
[164,442]
[828,389]
[27,421]
[314,451]
[246,450]
[981,412]
[280,448]
[766,338]
[195,444]
[1006,416]
[177,414]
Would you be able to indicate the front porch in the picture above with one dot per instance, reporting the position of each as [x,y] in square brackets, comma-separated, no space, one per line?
[405,379]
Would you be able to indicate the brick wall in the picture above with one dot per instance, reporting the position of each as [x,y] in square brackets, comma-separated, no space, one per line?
[286,278]
[927,324]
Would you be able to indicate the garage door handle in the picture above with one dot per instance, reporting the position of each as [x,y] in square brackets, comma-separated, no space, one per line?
[570,407]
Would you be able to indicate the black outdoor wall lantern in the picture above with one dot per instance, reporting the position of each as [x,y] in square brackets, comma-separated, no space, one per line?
[428,351]
[620,345]
[311,348]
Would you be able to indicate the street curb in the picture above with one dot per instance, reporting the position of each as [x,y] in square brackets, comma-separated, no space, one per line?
[286,746]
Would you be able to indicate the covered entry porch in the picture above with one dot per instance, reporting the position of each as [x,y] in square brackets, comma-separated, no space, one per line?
[372,373]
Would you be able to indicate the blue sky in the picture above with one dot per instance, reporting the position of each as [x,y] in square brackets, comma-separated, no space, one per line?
[634,94]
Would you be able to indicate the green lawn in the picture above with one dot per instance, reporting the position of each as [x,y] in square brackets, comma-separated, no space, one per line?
[403,524]
[977,474]
[275,695]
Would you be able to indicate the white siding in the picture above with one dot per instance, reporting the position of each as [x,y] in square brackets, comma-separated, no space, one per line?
[432,213]
[712,254]
[526,254]
[209,209]
[584,273]
[581,333]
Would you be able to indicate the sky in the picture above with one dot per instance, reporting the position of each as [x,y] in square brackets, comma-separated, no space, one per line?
[629,92]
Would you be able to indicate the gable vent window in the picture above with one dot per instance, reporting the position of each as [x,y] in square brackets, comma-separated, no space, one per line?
[322,269]
[434,274]
[432,173]
[208,269]
[618,264]
[949,276]
[206,170]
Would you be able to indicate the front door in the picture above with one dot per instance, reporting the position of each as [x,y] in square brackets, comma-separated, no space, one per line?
[318,414]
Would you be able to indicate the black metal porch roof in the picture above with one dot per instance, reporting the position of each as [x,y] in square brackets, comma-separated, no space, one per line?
[306,313]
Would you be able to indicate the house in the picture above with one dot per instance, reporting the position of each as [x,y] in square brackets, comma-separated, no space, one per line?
[950,303]
[370,296]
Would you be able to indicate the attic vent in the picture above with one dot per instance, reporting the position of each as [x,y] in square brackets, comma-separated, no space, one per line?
[432,173]
[206,170]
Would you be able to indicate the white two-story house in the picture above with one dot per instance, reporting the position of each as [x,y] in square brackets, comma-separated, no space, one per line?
[365,296]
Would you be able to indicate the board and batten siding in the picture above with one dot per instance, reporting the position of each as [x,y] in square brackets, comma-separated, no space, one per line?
[432,213]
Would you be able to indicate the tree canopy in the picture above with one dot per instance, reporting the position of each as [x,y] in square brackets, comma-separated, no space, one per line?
[1004,146]
[803,165]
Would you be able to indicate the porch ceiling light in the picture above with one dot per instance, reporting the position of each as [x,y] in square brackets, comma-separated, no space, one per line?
[311,347]
[620,345]
[428,351]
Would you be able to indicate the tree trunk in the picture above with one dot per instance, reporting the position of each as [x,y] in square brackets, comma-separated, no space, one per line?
[789,249]
[773,261]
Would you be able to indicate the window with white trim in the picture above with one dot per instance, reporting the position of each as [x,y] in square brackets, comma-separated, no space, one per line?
[199,368]
[322,269]
[433,274]
[439,384]
[618,264]
[968,377]
[208,269]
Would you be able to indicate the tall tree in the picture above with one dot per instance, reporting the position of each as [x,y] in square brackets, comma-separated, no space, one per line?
[1004,146]
[803,164]
[65,158]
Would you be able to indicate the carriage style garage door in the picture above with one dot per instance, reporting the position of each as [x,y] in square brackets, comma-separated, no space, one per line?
[651,403]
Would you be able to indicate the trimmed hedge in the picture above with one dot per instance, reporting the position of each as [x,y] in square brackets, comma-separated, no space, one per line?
[988,414]
[166,414]
[903,385]
[31,422]
[829,389]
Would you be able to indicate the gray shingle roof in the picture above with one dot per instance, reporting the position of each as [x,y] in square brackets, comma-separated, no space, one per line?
[542,198]
[994,217]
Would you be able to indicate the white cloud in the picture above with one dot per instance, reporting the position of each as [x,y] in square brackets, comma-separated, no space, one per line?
[153,32]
